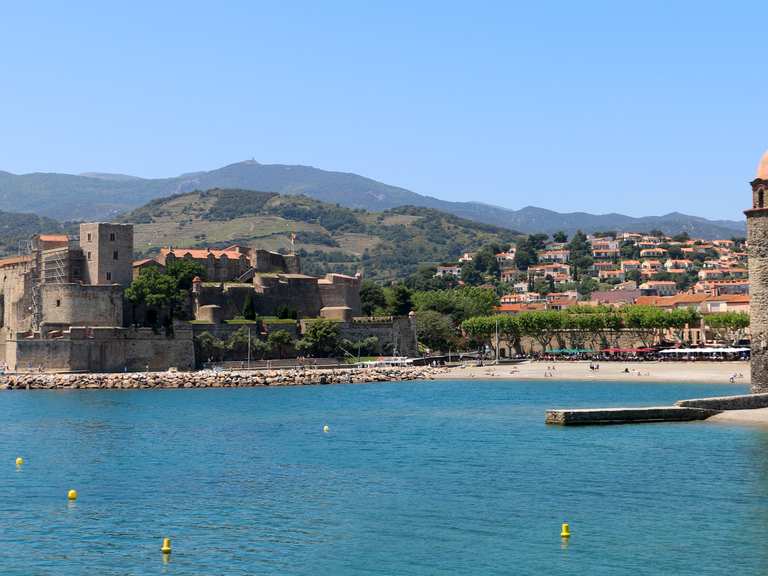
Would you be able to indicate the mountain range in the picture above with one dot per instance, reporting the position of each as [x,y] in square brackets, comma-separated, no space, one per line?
[103,196]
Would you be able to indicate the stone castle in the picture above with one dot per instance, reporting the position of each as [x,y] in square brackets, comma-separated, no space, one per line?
[62,304]
[272,281]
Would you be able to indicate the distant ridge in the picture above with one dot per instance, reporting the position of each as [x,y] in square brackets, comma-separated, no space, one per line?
[96,195]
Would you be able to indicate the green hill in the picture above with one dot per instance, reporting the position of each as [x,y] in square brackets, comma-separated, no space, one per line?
[384,245]
[16,229]
[100,196]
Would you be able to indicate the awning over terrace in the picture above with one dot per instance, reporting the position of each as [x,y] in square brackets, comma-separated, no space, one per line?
[569,351]
[728,350]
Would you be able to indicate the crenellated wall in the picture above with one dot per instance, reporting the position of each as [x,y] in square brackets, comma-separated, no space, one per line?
[104,350]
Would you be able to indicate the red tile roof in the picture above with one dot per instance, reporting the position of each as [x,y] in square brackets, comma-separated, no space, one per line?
[138,263]
[201,253]
[15,260]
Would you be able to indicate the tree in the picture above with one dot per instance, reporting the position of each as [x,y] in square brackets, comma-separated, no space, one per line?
[321,338]
[183,271]
[424,279]
[674,252]
[459,304]
[560,237]
[527,250]
[371,297]
[587,285]
[634,275]
[286,313]
[365,347]
[435,330]
[209,347]
[629,250]
[485,260]
[728,326]
[249,311]
[470,274]
[580,254]
[164,291]
[155,290]
[541,325]
[399,299]
[280,342]
[237,344]
[538,241]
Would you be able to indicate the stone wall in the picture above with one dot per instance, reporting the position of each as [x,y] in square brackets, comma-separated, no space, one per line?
[306,295]
[16,291]
[103,350]
[396,333]
[295,291]
[230,297]
[337,290]
[757,237]
[266,261]
[82,305]
[741,402]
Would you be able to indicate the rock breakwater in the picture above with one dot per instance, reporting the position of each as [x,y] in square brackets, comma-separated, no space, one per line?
[211,379]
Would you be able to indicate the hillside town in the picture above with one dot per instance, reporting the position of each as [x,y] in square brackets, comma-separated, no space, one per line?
[618,269]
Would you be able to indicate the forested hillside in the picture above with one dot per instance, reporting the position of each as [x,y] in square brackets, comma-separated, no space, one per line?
[384,245]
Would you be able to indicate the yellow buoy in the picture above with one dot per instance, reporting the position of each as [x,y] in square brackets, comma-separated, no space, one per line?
[19,461]
[565,532]
[166,547]
[72,495]
[326,428]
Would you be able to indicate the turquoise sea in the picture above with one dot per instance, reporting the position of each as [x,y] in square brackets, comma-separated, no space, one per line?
[413,478]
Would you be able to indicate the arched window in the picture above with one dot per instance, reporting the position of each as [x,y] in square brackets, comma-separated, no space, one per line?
[760,198]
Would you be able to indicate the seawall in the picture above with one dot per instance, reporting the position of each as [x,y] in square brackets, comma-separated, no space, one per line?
[210,379]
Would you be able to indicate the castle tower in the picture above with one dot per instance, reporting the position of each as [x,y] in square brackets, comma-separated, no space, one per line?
[108,252]
[757,239]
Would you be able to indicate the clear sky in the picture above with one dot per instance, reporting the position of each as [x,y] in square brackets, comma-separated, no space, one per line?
[636,107]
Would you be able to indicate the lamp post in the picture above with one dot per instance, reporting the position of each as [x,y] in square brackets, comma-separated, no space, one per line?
[249,347]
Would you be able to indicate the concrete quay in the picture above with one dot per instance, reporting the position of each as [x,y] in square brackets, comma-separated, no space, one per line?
[585,416]
[211,379]
[682,411]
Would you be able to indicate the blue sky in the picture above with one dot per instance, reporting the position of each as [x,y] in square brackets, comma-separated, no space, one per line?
[635,107]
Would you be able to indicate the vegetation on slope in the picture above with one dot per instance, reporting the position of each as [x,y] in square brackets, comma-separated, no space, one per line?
[16,229]
[330,238]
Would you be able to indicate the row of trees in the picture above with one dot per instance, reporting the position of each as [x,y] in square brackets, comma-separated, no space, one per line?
[598,327]
[321,339]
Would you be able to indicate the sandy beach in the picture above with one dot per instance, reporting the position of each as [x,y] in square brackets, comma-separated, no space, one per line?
[662,372]
[756,417]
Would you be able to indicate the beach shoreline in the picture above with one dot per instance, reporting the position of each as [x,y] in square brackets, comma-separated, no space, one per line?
[700,372]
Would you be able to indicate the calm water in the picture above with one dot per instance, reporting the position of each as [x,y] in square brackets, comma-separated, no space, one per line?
[414,478]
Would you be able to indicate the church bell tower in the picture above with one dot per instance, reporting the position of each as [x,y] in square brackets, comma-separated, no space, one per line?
[757,240]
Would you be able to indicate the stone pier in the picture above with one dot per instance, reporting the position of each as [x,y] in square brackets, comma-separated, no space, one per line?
[211,379]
